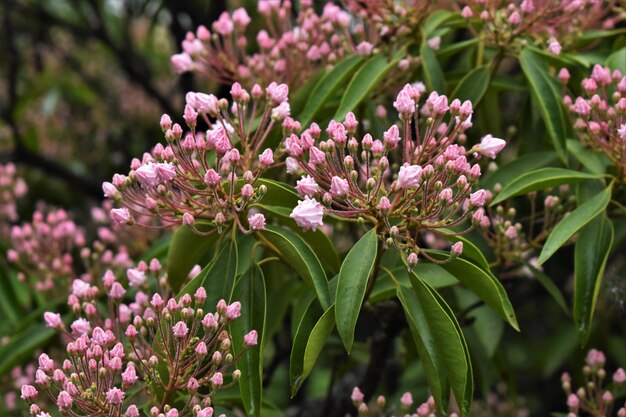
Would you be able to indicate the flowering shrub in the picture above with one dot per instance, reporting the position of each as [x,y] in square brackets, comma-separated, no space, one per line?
[347,206]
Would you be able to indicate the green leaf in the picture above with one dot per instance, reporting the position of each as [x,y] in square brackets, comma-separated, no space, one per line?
[186,250]
[22,346]
[327,86]
[521,165]
[299,255]
[426,345]
[593,161]
[308,344]
[369,75]
[219,280]
[353,277]
[481,282]
[590,256]
[470,251]
[299,98]
[455,48]
[541,179]
[449,342]
[250,292]
[436,19]
[278,194]
[549,286]
[617,60]
[433,74]
[572,223]
[547,92]
[473,85]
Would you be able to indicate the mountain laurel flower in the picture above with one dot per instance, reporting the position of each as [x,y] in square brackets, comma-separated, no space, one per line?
[250,339]
[233,310]
[490,146]
[357,396]
[29,393]
[115,396]
[256,221]
[53,320]
[180,330]
[417,178]
[217,379]
[406,400]
[457,248]
[308,214]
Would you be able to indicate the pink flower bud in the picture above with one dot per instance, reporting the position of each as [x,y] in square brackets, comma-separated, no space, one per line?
[209,321]
[64,400]
[572,401]
[129,376]
[511,232]
[180,329]
[121,216]
[306,186]
[406,400]
[136,278]
[217,379]
[409,176]
[205,412]
[619,377]
[233,311]
[316,156]
[339,187]
[478,198]
[391,137]
[276,93]
[490,146]
[45,363]
[117,292]
[53,320]
[308,214]
[457,248]
[384,204]
[201,349]
[181,63]
[266,158]
[250,339]
[256,221]
[132,411]
[357,396]
[29,393]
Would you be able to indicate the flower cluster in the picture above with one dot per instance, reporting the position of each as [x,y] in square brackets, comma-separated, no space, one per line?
[553,22]
[597,396]
[207,176]
[150,349]
[379,407]
[601,114]
[415,180]
[513,240]
[288,50]
[12,187]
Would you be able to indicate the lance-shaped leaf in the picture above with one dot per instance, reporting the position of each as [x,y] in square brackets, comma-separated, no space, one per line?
[547,91]
[299,255]
[250,292]
[351,286]
[521,165]
[186,250]
[219,280]
[473,85]
[590,256]
[572,223]
[433,74]
[541,179]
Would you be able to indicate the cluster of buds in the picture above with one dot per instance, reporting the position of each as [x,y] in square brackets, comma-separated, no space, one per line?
[289,49]
[417,179]
[150,349]
[207,177]
[601,114]
[43,249]
[513,240]
[12,187]
[380,408]
[597,396]
[551,22]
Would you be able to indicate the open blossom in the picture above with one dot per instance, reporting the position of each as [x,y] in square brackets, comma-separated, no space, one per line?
[490,146]
[207,177]
[434,187]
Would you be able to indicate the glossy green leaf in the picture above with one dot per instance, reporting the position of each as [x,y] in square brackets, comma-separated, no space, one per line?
[572,223]
[590,256]
[426,345]
[315,340]
[481,282]
[617,60]
[436,19]
[473,85]
[22,346]
[550,287]
[547,91]
[368,77]
[593,161]
[186,250]
[353,278]
[521,165]
[449,342]
[298,99]
[540,179]
[219,280]
[449,50]
[433,74]
[299,255]
[305,325]
[278,194]
[250,292]
[330,83]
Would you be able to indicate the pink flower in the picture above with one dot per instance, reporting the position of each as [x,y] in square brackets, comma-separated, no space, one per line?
[357,396]
[110,191]
[165,171]
[147,175]
[205,412]
[404,103]
[181,63]
[172,413]
[478,198]
[406,400]
[201,349]
[490,146]
[391,137]
[511,232]
[250,339]
[277,93]
[53,320]
[117,292]
[209,321]
[306,186]
[573,401]
[29,393]
[292,164]
[45,363]
[115,396]
[384,204]
[233,311]
[64,400]
[364,48]
[267,157]
[256,221]
[129,376]
[121,216]
[409,176]
[132,411]
[241,18]
[308,214]
[136,278]
[339,187]
[80,326]
[180,329]
[619,377]
[554,47]
[457,248]
[217,379]
[316,156]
